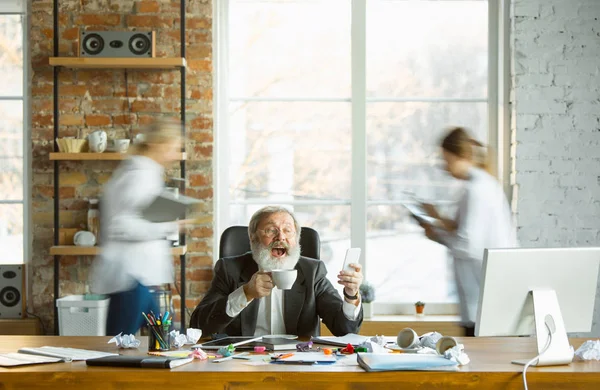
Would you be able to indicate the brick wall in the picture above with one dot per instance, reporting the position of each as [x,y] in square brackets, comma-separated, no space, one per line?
[97,99]
[556,122]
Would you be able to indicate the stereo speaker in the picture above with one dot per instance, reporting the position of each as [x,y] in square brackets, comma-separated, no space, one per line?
[12,291]
[117,44]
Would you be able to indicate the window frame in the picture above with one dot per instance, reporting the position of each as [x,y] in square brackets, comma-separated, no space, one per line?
[498,109]
[17,7]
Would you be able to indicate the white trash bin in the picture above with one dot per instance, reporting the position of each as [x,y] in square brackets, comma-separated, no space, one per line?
[82,317]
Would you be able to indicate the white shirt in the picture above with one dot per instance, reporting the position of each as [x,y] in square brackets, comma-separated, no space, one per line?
[270,311]
[484,221]
[132,249]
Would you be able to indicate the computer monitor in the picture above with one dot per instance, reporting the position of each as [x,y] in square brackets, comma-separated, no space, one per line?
[543,291]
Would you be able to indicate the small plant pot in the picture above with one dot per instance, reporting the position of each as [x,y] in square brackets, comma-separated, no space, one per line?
[419,309]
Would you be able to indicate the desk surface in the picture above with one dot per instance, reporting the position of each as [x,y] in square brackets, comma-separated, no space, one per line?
[490,368]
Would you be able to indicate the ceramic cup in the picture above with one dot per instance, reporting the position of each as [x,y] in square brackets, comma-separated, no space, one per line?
[445,343]
[119,145]
[408,339]
[84,238]
[284,278]
[97,141]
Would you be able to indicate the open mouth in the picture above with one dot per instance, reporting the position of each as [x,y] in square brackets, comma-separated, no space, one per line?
[278,252]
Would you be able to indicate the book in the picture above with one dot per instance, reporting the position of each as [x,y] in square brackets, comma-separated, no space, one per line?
[274,344]
[341,341]
[403,362]
[168,207]
[139,361]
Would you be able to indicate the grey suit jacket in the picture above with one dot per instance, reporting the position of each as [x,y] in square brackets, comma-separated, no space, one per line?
[312,296]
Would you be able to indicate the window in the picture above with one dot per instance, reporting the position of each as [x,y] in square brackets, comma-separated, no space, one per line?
[13,149]
[335,108]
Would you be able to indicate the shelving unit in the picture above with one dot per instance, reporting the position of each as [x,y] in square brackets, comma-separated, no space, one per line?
[106,156]
[109,63]
[118,63]
[72,250]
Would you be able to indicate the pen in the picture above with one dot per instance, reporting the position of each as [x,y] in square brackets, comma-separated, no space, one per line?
[166,316]
[286,355]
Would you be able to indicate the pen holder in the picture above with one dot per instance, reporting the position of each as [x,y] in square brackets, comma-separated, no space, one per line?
[159,338]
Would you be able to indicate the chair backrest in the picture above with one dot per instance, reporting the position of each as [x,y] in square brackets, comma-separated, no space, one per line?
[235,241]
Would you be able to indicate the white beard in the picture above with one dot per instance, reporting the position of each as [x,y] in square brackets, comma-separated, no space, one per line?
[266,262]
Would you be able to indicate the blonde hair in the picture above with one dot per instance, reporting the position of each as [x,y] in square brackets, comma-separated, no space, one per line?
[160,131]
[461,144]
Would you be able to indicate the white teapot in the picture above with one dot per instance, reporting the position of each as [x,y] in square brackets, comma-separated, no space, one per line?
[97,141]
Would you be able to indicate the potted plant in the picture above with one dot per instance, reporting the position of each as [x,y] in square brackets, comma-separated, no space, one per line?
[367,295]
[419,307]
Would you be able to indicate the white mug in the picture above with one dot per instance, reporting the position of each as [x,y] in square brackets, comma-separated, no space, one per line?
[284,279]
[84,238]
[408,339]
[119,145]
[97,141]
[445,343]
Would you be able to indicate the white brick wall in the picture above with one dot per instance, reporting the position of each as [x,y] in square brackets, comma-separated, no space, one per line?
[556,123]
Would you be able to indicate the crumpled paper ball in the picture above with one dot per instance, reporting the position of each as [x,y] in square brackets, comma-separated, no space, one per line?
[191,337]
[590,350]
[372,346]
[429,340]
[125,341]
[457,354]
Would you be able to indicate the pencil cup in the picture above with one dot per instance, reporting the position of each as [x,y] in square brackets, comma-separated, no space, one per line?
[159,339]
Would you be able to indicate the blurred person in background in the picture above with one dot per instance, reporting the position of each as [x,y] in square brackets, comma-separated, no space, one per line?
[135,252]
[483,219]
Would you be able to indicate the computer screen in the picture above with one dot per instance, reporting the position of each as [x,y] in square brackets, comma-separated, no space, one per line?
[509,275]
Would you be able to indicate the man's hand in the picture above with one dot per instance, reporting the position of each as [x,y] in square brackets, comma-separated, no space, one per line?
[260,285]
[351,280]
[431,210]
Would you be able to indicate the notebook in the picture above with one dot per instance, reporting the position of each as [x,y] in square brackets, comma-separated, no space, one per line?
[139,361]
[67,354]
[342,341]
[20,359]
[404,362]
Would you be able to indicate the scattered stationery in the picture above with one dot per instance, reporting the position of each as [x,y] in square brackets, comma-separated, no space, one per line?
[139,361]
[305,358]
[20,359]
[342,341]
[67,354]
[172,354]
[159,328]
[404,362]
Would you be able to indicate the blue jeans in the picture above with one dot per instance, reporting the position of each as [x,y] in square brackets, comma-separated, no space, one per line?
[125,310]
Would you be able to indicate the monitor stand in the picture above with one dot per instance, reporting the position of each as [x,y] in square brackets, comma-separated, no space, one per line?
[552,343]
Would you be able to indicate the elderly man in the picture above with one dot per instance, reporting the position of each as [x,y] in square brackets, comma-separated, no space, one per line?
[241,300]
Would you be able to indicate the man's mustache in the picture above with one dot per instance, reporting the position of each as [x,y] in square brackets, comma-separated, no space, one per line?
[279,244]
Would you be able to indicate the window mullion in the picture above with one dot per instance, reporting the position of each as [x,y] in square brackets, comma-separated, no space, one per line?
[358,235]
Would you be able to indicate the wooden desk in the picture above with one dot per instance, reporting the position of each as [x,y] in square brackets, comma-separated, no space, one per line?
[490,368]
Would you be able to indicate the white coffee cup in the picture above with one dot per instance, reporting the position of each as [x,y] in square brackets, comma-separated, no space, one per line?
[119,145]
[97,141]
[84,238]
[284,278]
[408,339]
[445,343]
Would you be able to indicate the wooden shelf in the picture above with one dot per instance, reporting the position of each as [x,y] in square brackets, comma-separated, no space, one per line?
[72,250]
[107,156]
[132,63]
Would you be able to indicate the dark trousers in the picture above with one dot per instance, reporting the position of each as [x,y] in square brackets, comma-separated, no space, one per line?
[125,310]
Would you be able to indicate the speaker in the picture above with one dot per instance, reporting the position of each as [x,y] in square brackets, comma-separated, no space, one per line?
[117,44]
[12,289]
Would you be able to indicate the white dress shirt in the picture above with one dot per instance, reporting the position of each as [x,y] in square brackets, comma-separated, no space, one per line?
[132,249]
[484,221]
[270,311]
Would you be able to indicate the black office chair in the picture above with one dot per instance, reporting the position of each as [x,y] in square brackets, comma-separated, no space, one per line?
[235,241]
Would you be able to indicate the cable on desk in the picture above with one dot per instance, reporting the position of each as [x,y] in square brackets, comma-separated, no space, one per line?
[529,363]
